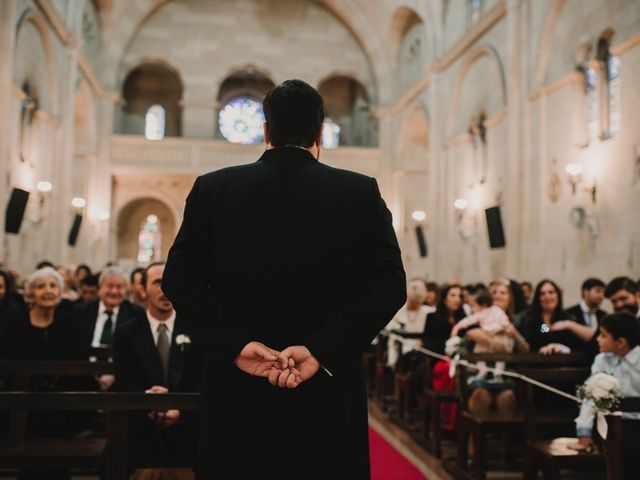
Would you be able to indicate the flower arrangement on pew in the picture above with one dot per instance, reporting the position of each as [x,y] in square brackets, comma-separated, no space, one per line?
[454,347]
[602,392]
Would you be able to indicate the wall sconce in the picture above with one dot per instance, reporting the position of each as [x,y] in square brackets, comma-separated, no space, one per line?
[465,219]
[78,202]
[43,187]
[104,215]
[418,215]
[575,171]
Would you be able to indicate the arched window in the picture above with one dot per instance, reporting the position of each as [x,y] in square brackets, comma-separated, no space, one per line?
[154,123]
[241,121]
[612,79]
[149,240]
[330,134]
[475,11]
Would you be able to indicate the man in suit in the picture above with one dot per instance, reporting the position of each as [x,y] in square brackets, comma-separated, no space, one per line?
[148,358]
[97,321]
[320,243]
[587,311]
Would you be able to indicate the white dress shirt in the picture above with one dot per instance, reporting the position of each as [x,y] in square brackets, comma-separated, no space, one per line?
[627,370]
[589,316]
[154,322]
[101,320]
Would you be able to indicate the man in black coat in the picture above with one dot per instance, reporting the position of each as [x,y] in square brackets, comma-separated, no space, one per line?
[320,243]
[153,353]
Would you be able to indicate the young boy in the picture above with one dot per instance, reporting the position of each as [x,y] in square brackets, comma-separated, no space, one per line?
[620,356]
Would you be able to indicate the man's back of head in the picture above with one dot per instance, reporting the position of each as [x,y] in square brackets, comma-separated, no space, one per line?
[294,113]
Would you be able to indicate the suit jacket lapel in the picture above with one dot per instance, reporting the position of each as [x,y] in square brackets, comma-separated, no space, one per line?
[147,351]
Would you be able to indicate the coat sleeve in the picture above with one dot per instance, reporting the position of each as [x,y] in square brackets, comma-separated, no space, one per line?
[186,282]
[379,294]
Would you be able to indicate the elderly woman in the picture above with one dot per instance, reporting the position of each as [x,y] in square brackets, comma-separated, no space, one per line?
[43,332]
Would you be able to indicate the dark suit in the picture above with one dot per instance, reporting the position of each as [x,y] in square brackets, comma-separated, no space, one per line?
[286,251]
[86,316]
[577,315]
[138,368]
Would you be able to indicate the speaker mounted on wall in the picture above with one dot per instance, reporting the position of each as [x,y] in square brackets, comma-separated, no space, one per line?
[422,242]
[15,210]
[494,227]
[75,230]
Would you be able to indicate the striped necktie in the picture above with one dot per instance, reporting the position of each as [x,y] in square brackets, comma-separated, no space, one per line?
[164,347]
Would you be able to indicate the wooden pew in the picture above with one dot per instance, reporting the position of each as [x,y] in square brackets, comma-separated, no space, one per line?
[384,390]
[614,442]
[554,455]
[476,425]
[110,454]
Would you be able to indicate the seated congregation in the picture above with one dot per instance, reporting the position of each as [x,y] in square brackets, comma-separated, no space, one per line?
[69,330]
[483,418]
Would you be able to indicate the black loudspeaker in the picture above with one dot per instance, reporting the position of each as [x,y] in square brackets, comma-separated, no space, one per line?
[494,226]
[75,229]
[15,210]
[422,243]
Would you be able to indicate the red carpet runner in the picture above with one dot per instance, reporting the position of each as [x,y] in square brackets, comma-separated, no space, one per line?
[387,463]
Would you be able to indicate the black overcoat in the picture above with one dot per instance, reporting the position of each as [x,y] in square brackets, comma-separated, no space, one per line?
[285,251]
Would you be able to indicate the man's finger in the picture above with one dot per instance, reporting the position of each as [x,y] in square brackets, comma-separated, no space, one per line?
[265,353]
[292,381]
[273,376]
[282,379]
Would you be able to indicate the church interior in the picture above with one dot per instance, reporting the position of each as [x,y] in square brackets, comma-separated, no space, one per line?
[504,136]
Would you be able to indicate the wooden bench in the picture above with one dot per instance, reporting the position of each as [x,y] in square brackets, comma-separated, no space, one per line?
[614,445]
[110,454]
[477,424]
[554,455]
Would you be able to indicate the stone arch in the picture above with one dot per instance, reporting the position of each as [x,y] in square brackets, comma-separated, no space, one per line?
[546,40]
[403,19]
[152,82]
[247,80]
[475,55]
[130,218]
[348,103]
[37,20]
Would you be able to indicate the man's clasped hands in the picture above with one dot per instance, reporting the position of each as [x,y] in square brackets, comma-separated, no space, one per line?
[285,369]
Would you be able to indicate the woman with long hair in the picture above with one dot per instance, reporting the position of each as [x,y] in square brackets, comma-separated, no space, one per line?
[537,323]
[449,311]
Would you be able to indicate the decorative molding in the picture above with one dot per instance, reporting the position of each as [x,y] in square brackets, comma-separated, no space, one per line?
[57,23]
[568,79]
[628,44]
[486,22]
[40,114]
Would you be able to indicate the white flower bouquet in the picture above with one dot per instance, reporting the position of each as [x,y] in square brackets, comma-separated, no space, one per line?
[601,390]
[455,346]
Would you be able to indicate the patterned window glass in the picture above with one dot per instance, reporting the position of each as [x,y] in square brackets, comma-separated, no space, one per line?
[241,121]
[149,240]
[330,134]
[154,122]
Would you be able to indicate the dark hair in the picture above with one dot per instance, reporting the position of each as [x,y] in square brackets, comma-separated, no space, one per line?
[483,298]
[526,284]
[620,283]
[622,325]
[45,263]
[84,267]
[432,287]
[536,305]
[590,283]
[6,302]
[294,112]
[442,310]
[90,281]
[133,273]
[145,273]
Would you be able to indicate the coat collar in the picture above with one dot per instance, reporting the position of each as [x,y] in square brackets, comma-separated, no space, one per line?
[288,155]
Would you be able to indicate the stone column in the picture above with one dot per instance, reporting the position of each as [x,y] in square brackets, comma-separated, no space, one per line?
[513,194]
[436,214]
[7,42]
[62,211]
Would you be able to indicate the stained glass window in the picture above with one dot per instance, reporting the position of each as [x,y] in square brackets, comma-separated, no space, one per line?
[330,134]
[614,91]
[591,94]
[241,121]
[475,10]
[149,240]
[154,122]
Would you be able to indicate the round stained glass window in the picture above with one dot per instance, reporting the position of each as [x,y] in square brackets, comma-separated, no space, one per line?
[241,121]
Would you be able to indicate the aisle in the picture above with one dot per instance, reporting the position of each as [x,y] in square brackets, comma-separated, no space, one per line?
[387,463]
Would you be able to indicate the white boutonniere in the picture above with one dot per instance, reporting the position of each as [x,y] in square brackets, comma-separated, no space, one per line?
[183,341]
